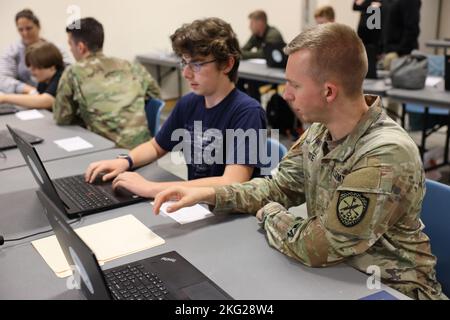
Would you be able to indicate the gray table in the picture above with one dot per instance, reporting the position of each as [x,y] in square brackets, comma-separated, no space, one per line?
[445,44]
[20,210]
[260,72]
[231,250]
[47,129]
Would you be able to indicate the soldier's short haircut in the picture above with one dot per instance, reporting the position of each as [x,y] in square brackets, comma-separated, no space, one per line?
[337,54]
[42,55]
[258,15]
[89,31]
[210,36]
[325,12]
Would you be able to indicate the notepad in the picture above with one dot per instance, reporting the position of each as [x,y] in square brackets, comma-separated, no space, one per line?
[29,115]
[73,144]
[104,240]
[186,215]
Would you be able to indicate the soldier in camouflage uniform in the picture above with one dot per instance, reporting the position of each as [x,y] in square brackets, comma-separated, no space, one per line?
[358,171]
[105,94]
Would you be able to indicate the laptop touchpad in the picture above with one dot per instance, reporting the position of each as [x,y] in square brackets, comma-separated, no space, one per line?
[203,291]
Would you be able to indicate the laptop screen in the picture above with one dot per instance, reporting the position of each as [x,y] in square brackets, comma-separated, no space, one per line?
[87,274]
[36,167]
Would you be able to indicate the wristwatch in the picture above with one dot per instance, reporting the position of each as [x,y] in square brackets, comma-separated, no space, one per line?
[128,158]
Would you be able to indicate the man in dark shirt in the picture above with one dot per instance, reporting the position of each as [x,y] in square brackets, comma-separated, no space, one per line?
[262,34]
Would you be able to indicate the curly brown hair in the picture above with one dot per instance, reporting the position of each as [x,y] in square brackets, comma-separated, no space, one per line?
[210,36]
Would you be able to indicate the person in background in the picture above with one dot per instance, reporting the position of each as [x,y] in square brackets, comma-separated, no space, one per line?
[105,94]
[324,14]
[210,55]
[370,37]
[262,33]
[400,27]
[46,65]
[15,77]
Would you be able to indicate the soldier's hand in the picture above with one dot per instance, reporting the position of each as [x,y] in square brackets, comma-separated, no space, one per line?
[184,197]
[111,168]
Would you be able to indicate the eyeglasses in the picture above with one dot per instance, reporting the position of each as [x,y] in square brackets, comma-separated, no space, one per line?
[195,66]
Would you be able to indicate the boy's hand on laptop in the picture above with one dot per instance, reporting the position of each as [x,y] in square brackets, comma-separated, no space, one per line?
[184,197]
[136,184]
[111,168]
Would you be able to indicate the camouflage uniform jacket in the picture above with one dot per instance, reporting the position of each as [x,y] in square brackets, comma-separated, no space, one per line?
[107,95]
[363,200]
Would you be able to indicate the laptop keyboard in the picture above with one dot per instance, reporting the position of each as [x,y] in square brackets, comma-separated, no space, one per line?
[85,195]
[134,282]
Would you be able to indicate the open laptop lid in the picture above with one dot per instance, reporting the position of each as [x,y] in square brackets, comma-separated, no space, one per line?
[34,162]
[86,271]
[274,54]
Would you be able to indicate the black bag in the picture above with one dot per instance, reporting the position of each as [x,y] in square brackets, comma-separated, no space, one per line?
[280,115]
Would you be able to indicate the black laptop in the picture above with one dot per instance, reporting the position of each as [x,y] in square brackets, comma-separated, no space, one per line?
[72,194]
[7,141]
[274,55]
[8,109]
[167,276]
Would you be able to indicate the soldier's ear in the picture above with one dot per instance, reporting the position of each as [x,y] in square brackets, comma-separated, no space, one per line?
[82,47]
[331,92]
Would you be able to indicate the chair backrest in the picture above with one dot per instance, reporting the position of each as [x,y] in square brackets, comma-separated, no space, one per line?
[279,152]
[436,217]
[153,109]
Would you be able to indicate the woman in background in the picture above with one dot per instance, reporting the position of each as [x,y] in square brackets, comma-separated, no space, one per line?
[45,63]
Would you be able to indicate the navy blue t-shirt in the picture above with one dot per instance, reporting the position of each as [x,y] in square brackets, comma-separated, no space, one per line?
[202,133]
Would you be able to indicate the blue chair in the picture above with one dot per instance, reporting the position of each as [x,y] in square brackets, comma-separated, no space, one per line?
[279,152]
[436,217]
[153,109]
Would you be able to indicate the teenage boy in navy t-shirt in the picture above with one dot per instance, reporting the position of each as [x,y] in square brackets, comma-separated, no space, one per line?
[210,54]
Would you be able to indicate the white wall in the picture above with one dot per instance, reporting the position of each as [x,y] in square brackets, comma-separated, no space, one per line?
[138,26]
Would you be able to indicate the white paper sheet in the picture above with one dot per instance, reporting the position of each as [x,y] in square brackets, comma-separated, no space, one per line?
[186,215]
[73,144]
[433,81]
